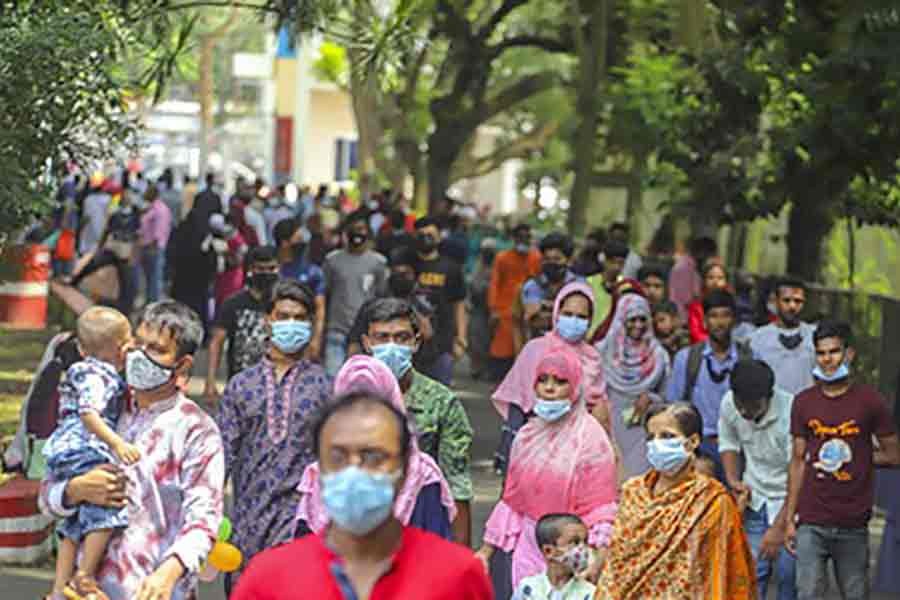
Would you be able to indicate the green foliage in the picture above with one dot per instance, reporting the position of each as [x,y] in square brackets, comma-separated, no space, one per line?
[59,99]
[63,88]
[332,64]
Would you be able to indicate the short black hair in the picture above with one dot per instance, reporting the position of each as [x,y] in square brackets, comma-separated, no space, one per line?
[689,419]
[385,310]
[347,401]
[751,381]
[558,241]
[181,321]
[597,235]
[834,329]
[619,226]
[788,282]
[260,254]
[719,299]
[665,307]
[357,216]
[615,249]
[427,221]
[651,271]
[703,247]
[521,227]
[291,289]
[549,527]
[284,230]
[403,255]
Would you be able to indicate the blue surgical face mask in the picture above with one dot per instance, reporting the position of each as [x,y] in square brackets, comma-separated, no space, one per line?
[397,357]
[552,410]
[667,455]
[291,336]
[358,501]
[842,372]
[572,328]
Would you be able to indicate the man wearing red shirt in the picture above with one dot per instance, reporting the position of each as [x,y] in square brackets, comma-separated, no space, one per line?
[362,443]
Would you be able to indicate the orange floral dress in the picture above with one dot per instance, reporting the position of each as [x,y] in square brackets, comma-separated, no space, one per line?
[687,543]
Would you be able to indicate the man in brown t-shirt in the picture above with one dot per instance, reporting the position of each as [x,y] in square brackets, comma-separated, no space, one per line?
[831,477]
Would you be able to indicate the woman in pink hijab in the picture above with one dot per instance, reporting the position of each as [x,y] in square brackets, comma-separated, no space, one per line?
[424,501]
[514,398]
[562,461]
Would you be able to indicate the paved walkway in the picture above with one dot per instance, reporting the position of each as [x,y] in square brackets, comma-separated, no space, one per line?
[32,583]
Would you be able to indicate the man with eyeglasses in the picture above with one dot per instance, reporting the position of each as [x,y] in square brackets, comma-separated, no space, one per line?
[755,420]
[363,447]
[264,417]
[442,425]
[175,493]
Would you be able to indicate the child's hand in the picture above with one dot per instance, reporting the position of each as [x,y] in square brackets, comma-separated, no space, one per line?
[127,453]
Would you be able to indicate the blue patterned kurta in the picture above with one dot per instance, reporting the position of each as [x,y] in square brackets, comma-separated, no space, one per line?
[265,473]
[90,385]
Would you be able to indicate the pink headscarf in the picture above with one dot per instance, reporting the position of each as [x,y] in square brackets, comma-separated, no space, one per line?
[565,466]
[518,386]
[360,373]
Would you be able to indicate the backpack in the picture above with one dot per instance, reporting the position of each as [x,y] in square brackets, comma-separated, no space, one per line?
[695,361]
[43,402]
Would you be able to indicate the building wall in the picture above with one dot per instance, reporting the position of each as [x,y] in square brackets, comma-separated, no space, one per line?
[330,118]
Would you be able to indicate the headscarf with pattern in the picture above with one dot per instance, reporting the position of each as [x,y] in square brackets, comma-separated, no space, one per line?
[632,366]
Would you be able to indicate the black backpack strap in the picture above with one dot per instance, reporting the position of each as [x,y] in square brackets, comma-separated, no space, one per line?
[695,360]
[744,351]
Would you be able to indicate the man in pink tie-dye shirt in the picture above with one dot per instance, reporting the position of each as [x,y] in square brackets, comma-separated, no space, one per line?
[175,491]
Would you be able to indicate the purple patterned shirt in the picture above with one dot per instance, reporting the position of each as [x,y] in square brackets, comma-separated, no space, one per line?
[266,431]
[175,497]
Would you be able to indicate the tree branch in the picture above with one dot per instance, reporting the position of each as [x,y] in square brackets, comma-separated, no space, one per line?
[507,7]
[532,41]
[517,92]
[475,166]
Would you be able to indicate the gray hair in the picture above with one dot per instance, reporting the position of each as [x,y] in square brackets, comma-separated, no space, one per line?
[181,321]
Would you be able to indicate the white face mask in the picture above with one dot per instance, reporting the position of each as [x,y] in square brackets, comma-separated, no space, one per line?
[144,374]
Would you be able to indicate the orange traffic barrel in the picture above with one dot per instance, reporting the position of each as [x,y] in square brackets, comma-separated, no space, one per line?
[25,534]
[23,286]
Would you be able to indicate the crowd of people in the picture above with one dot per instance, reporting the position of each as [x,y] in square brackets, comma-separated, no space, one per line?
[669,432]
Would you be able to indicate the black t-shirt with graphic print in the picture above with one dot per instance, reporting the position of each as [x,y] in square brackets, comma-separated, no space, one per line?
[441,282]
[243,318]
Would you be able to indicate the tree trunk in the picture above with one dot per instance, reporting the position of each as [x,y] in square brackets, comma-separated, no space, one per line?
[207,47]
[591,44]
[364,98]
[808,226]
[445,145]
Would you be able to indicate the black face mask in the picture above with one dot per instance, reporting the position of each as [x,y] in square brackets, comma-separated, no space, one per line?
[357,239]
[554,272]
[263,283]
[487,257]
[401,286]
[425,243]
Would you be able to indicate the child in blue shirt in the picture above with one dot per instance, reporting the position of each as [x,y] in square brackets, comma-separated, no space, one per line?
[90,401]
